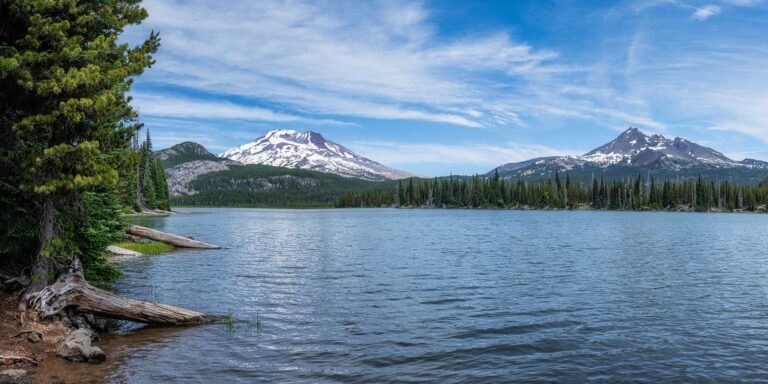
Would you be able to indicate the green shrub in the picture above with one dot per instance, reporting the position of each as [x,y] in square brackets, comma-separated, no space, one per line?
[100,227]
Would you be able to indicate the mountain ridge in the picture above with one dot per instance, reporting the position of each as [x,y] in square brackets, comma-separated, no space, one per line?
[184,152]
[634,151]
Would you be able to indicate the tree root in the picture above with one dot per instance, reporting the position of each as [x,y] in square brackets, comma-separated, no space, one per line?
[71,291]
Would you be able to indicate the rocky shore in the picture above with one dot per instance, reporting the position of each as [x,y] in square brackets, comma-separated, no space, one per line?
[31,345]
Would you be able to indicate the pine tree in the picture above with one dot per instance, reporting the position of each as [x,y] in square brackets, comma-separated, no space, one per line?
[161,187]
[65,123]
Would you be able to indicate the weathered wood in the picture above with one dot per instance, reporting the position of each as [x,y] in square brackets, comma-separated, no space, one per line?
[119,251]
[72,291]
[168,238]
[12,359]
[9,280]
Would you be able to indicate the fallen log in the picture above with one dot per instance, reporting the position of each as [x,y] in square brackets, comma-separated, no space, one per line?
[72,291]
[168,238]
[115,250]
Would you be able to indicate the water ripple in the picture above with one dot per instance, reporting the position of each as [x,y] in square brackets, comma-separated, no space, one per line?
[456,296]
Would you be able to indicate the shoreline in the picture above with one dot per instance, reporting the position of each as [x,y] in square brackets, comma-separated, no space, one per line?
[31,347]
[760,210]
[27,345]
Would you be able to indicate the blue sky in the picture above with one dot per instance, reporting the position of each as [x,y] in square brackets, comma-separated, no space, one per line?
[441,87]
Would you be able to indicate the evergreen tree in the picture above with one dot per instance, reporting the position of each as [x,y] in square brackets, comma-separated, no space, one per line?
[65,126]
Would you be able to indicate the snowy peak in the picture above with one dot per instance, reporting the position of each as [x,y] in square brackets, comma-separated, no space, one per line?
[630,141]
[310,150]
[634,147]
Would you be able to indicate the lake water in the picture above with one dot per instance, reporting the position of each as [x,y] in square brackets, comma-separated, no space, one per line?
[384,295]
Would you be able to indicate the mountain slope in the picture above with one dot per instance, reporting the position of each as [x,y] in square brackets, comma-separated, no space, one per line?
[633,153]
[310,150]
[259,185]
[184,152]
[197,177]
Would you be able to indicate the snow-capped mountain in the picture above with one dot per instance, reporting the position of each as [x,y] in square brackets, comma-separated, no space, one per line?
[310,150]
[633,147]
[633,151]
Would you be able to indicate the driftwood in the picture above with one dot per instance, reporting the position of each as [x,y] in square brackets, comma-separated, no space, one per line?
[72,291]
[115,250]
[168,238]
[12,359]
[9,280]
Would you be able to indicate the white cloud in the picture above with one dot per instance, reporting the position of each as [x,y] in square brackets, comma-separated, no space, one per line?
[174,106]
[366,60]
[706,12]
[381,60]
[481,155]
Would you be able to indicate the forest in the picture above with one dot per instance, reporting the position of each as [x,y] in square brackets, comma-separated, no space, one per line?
[560,192]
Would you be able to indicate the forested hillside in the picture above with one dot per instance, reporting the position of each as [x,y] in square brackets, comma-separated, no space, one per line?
[267,186]
[183,153]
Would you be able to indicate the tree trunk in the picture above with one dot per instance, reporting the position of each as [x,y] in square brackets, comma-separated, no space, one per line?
[168,238]
[72,291]
[44,267]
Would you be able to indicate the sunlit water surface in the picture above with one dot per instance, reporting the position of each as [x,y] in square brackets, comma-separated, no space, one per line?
[453,296]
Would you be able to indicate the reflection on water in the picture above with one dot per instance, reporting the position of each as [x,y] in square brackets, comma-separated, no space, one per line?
[453,296]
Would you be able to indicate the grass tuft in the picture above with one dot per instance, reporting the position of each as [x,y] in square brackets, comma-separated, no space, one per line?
[229,321]
[231,324]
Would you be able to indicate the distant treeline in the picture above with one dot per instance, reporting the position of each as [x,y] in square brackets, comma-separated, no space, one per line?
[560,192]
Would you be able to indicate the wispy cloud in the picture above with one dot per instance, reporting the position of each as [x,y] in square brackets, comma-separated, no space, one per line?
[154,105]
[706,12]
[382,60]
[369,60]
[405,154]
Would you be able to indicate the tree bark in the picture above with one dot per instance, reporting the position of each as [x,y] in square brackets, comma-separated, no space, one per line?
[44,267]
[168,238]
[72,291]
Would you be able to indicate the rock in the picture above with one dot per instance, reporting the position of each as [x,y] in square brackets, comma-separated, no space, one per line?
[12,376]
[34,337]
[77,347]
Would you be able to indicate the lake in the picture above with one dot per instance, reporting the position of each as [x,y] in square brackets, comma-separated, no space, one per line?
[386,295]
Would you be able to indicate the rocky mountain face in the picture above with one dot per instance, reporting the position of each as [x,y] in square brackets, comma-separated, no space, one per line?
[186,161]
[181,175]
[310,150]
[633,152]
